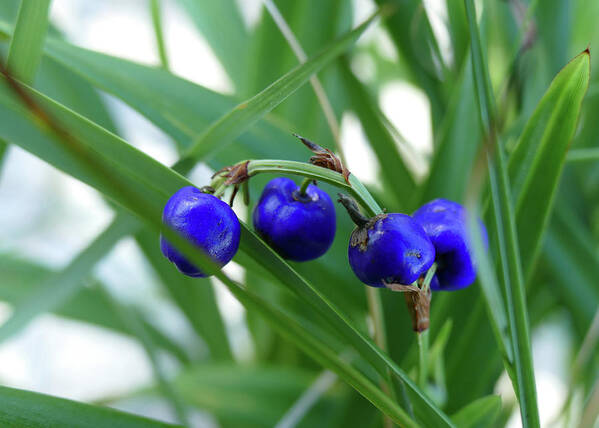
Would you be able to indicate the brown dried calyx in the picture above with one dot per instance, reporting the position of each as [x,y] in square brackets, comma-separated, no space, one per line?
[325,158]
[359,236]
[235,175]
[418,301]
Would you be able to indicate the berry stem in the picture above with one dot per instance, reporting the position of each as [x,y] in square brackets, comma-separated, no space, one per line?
[351,206]
[423,340]
[426,284]
[304,186]
[422,358]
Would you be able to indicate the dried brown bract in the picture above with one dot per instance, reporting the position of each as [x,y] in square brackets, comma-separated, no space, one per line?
[235,174]
[325,158]
[418,301]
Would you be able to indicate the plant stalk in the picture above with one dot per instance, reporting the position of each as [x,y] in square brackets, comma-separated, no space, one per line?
[423,342]
[304,186]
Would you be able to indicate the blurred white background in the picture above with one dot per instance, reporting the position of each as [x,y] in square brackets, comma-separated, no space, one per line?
[48,216]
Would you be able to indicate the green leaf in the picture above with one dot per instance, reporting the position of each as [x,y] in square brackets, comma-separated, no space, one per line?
[506,235]
[179,107]
[28,39]
[269,260]
[246,395]
[321,353]
[158,34]
[133,321]
[397,177]
[536,164]
[230,46]
[583,155]
[3,149]
[480,413]
[412,33]
[456,144]
[228,127]
[22,279]
[194,296]
[570,257]
[63,285]
[32,410]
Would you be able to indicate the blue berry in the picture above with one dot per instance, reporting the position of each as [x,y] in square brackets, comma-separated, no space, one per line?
[445,223]
[390,248]
[298,227]
[205,221]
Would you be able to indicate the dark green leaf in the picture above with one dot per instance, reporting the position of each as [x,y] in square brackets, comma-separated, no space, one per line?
[480,413]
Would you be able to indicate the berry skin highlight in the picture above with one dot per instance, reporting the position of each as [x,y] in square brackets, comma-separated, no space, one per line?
[205,221]
[297,226]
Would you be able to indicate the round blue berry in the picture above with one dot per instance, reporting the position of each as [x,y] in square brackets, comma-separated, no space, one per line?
[445,223]
[298,227]
[390,248]
[205,221]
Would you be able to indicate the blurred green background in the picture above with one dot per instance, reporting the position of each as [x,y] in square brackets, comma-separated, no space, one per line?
[404,99]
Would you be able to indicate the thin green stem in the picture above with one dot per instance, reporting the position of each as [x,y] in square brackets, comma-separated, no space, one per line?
[583,155]
[422,358]
[429,277]
[355,188]
[375,310]
[423,338]
[158,33]
[304,186]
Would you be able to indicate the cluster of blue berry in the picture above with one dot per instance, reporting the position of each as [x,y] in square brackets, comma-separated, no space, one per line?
[299,224]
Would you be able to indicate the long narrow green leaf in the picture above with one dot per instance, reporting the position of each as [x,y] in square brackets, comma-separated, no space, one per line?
[3,149]
[412,34]
[570,257]
[397,177]
[247,113]
[133,321]
[26,45]
[155,183]
[64,284]
[158,33]
[249,395]
[231,46]
[179,107]
[506,234]
[480,413]
[195,297]
[320,351]
[536,164]
[32,410]
[22,279]
[456,144]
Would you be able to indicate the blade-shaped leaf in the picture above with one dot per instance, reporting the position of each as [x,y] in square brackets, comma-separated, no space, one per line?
[412,34]
[26,45]
[195,298]
[247,113]
[22,279]
[60,287]
[480,413]
[505,232]
[32,410]
[397,177]
[230,45]
[320,352]
[536,164]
